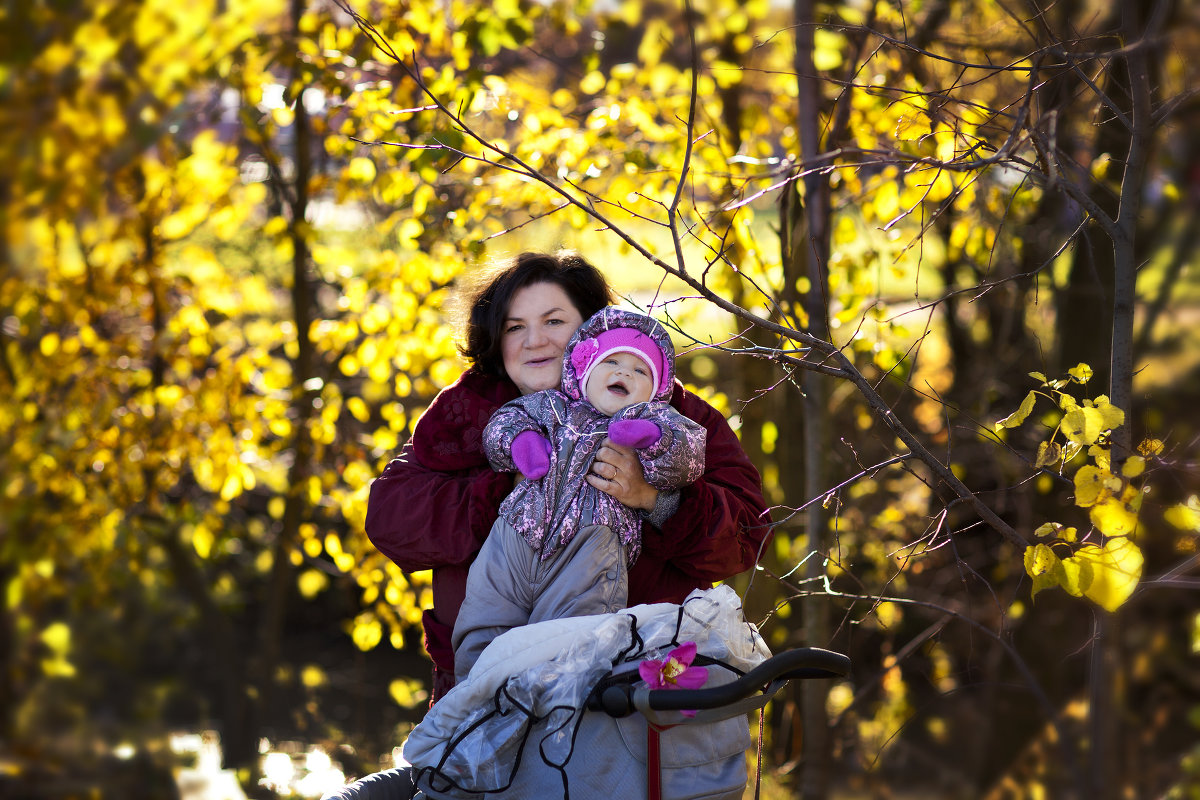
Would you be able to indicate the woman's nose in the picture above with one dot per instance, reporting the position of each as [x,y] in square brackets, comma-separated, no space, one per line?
[535,336]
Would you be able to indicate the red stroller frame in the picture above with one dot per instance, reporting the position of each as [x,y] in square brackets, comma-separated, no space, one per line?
[749,692]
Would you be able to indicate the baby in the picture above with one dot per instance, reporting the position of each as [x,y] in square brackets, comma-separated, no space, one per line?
[561,547]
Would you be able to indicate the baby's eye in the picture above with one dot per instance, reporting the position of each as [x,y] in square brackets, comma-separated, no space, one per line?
[610,361]
[639,371]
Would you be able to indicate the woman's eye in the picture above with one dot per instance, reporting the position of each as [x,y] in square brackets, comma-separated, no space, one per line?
[554,322]
[512,328]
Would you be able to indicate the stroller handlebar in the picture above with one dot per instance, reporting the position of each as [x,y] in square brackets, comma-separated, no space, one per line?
[621,700]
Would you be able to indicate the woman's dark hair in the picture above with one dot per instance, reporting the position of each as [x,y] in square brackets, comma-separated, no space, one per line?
[487,301]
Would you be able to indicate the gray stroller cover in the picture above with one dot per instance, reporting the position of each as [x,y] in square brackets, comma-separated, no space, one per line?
[518,725]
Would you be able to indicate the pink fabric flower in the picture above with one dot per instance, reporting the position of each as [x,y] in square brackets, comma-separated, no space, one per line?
[581,357]
[675,671]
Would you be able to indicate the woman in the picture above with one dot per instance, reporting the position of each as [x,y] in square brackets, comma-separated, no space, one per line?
[434,504]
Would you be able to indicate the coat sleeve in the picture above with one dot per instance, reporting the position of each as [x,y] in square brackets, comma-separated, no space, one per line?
[422,518]
[510,420]
[722,524]
[435,503]
[677,458]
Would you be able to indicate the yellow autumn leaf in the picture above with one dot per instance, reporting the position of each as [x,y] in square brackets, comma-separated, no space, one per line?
[1056,530]
[407,692]
[1110,415]
[1043,566]
[49,344]
[1185,516]
[1150,447]
[1039,560]
[1133,467]
[887,200]
[312,582]
[313,677]
[57,637]
[827,52]
[1116,515]
[593,82]
[366,631]
[361,170]
[1089,485]
[1116,570]
[1076,575]
[232,486]
[1048,529]
[312,547]
[358,409]
[1048,453]
[1083,425]
[1081,373]
[1017,417]
[202,540]
[283,116]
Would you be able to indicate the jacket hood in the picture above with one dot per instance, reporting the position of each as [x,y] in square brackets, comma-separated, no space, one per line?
[607,319]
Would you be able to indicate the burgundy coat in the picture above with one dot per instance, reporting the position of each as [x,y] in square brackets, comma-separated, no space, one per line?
[435,503]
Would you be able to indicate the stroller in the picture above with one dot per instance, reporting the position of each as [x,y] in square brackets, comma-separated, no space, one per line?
[559,709]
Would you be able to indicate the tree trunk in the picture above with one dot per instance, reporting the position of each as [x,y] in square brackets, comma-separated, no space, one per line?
[1107,696]
[278,588]
[808,255]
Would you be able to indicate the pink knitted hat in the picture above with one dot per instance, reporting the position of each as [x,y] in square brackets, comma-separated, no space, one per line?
[590,352]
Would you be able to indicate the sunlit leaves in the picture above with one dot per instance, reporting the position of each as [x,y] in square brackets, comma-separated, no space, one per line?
[57,639]
[1106,573]
[1084,425]
[1116,569]
[1185,516]
[366,631]
[1019,416]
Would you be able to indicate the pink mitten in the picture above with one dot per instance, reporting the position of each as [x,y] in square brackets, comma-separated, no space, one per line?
[531,454]
[635,433]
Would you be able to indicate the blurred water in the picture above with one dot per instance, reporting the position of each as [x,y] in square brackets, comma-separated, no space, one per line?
[290,769]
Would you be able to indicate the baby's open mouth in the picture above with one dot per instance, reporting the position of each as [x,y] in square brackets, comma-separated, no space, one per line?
[618,388]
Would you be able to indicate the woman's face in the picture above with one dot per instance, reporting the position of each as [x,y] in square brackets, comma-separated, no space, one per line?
[540,321]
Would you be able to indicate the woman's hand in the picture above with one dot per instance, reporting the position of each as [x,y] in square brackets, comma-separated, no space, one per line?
[616,471]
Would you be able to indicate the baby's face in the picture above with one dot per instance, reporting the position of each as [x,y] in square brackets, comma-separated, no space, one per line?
[620,380]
